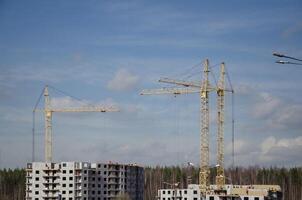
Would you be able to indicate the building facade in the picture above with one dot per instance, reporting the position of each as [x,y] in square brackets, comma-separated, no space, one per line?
[231,192]
[83,181]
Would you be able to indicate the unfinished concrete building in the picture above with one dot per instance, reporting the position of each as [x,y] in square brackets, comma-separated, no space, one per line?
[83,181]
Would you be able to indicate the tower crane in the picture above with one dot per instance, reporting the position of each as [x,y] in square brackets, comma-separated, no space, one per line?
[48,111]
[221,89]
[203,89]
[220,178]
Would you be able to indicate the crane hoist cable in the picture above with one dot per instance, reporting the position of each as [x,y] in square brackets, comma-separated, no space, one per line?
[233,117]
[34,125]
[187,71]
[71,96]
[177,127]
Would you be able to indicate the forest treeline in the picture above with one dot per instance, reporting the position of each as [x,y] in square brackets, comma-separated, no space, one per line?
[290,180]
[12,182]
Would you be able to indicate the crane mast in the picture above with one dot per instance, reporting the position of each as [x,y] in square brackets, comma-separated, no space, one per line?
[220,178]
[48,126]
[204,132]
[203,89]
[48,111]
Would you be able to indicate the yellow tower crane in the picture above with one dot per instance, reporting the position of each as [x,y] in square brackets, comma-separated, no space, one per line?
[48,111]
[221,89]
[220,178]
[203,89]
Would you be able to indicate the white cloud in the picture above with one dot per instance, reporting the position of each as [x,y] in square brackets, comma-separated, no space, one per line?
[281,151]
[290,142]
[243,89]
[266,105]
[271,151]
[267,144]
[287,116]
[271,142]
[67,102]
[274,113]
[239,147]
[123,80]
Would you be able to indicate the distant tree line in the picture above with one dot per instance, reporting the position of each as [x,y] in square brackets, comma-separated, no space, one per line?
[12,182]
[290,180]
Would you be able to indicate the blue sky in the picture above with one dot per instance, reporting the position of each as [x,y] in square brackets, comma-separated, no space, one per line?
[106,52]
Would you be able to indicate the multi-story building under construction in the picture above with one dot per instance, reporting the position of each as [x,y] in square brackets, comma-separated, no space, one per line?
[83,181]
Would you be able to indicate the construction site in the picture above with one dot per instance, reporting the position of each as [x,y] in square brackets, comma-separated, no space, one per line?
[220,190]
[150,100]
[46,180]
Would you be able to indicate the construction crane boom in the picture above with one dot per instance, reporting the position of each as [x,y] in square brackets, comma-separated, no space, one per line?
[174,91]
[180,82]
[87,109]
[48,110]
[203,89]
